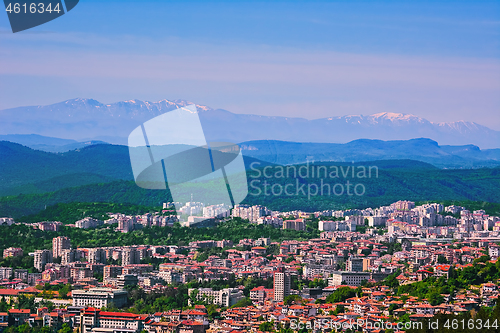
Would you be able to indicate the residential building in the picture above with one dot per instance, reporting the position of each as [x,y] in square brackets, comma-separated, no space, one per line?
[59,244]
[281,284]
[348,278]
[88,223]
[124,280]
[6,273]
[130,256]
[42,257]
[99,297]
[12,252]
[297,224]
[68,256]
[112,271]
[95,320]
[354,264]
[225,297]
[97,256]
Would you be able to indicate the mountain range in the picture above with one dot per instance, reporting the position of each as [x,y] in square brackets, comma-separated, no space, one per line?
[89,120]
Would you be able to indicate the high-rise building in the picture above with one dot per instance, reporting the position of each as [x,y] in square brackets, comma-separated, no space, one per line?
[68,256]
[42,257]
[131,256]
[97,256]
[281,284]
[59,244]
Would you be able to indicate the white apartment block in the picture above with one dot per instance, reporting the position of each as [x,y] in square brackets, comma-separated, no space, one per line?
[225,297]
[348,278]
[99,297]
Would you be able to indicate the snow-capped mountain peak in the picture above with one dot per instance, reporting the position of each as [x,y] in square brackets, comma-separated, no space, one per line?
[87,118]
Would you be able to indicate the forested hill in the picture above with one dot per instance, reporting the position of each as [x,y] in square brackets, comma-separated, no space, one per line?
[392,184]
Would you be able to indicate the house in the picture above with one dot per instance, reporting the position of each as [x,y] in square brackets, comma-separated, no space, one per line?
[18,317]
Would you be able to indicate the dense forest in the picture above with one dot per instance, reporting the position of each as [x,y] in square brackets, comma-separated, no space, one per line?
[382,188]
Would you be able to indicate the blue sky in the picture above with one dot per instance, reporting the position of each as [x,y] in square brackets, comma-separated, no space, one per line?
[437,60]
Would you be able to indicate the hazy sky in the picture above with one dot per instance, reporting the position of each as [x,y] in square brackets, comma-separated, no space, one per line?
[437,60]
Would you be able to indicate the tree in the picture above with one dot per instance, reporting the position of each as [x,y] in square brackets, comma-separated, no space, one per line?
[243,303]
[292,299]
[340,295]
[65,329]
[266,326]
[435,298]
[392,307]
[339,309]
[442,259]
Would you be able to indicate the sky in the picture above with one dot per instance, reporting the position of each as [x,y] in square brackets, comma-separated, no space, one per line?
[439,60]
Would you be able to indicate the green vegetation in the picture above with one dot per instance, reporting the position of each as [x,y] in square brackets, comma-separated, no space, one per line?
[243,303]
[392,184]
[432,287]
[30,239]
[292,299]
[71,212]
[24,262]
[341,294]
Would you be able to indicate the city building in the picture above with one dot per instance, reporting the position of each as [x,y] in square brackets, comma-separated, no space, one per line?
[252,213]
[112,271]
[130,256]
[124,280]
[59,244]
[354,264]
[6,273]
[348,278]
[88,223]
[297,224]
[12,252]
[99,297]
[224,297]
[68,256]
[281,284]
[97,256]
[95,320]
[42,257]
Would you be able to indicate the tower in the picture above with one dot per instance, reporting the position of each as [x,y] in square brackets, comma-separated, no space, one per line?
[281,284]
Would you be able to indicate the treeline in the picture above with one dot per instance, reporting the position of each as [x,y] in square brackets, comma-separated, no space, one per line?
[384,187]
[30,239]
[71,212]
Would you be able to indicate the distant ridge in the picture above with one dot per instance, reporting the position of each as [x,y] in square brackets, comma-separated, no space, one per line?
[26,170]
[363,150]
[87,119]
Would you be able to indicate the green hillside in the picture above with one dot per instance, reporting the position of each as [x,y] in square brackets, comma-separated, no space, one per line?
[392,184]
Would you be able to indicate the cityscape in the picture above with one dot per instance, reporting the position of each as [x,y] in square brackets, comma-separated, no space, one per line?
[363,272]
[250,166]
